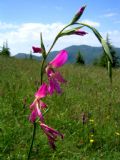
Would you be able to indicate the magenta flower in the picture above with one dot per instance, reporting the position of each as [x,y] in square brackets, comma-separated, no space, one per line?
[42,91]
[38,104]
[54,77]
[81,33]
[36,112]
[60,59]
[54,86]
[51,134]
[37,49]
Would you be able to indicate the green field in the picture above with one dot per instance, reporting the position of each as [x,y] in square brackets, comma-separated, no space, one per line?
[88,92]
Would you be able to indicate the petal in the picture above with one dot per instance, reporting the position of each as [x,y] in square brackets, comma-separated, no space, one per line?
[81,10]
[50,130]
[39,114]
[80,33]
[51,87]
[42,104]
[49,71]
[57,86]
[33,104]
[42,91]
[33,116]
[52,143]
[59,77]
[60,59]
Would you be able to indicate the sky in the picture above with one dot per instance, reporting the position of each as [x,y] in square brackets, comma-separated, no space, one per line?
[22,21]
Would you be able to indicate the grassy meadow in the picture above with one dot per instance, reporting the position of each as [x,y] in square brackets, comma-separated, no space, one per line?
[87,113]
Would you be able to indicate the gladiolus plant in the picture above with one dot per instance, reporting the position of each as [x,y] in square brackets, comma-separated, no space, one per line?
[54,78]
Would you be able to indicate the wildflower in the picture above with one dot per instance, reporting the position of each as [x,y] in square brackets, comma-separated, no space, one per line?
[37,49]
[81,33]
[91,135]
[36,113]
[78,15]
[91,120]
[38,104]
[51,134]
[54,77]
[117,133]
[42,91]
[91,140]
[60,59]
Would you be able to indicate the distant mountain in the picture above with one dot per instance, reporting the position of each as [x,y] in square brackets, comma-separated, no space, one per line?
[89,53]
[27,56]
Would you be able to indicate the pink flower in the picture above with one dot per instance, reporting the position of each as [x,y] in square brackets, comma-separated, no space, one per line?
[36,112]
[54,77]
[42,91]
[60,59]
[37,49]
[81,33]
[51,134]
[38,104]
[53,86]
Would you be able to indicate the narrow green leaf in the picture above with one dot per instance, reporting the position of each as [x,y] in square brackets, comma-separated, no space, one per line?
[70,31]
[106,49]
[101,40]
[97,34]
[42,46]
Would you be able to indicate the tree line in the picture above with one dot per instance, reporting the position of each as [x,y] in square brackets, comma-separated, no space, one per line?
[102,60]
[4,50]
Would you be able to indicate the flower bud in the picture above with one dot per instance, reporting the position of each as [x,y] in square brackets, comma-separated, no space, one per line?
[37,49]
[80,33]
[78,15]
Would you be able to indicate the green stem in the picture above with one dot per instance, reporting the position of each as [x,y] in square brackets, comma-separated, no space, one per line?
[42,70]
[33,137]
[56,38]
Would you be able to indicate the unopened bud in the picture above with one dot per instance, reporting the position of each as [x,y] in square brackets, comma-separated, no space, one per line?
[78,15]
[36,49]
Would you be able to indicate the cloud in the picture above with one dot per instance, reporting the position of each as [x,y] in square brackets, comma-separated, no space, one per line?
[22,37]
[92,23]
[4,26]
[111,14]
